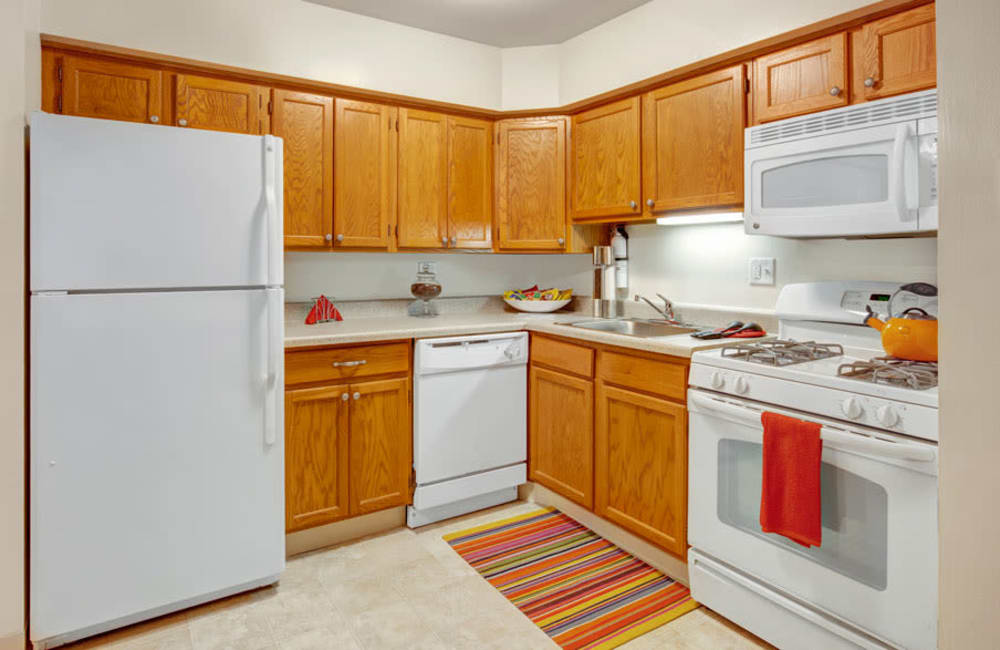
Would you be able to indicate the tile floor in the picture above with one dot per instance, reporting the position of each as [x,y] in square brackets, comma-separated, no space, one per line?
[401,589]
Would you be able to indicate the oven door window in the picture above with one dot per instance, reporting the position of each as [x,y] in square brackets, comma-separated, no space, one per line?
[855,514]
[832,181]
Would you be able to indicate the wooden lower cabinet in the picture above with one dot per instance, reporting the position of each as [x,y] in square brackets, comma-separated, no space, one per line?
[561,432]
[641,465]
[348,444]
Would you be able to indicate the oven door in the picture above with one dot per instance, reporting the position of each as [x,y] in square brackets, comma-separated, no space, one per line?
[863,182]
[877,566]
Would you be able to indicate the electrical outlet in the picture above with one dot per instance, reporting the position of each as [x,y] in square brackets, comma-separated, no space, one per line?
[426,267]
[762,271]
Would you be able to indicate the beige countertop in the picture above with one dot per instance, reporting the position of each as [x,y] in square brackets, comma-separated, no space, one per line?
[387,328]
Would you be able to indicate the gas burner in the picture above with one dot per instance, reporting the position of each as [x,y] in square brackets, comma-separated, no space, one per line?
[782,353]
[919,375]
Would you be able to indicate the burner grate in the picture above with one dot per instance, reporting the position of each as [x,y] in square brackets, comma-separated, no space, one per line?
[782,353]
[919,375]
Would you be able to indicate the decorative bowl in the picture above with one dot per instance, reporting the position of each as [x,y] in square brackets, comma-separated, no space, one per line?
[537,306]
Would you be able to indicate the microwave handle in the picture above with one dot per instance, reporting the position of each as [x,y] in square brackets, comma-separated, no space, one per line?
[904,152]
[842,440]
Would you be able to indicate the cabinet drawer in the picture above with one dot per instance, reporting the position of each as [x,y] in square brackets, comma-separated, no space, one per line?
[662,377]
[346,363]
[575,359]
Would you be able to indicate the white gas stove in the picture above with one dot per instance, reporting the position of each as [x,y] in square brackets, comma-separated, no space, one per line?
[872,582]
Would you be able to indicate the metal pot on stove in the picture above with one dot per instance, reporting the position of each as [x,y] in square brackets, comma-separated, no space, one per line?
[913,334]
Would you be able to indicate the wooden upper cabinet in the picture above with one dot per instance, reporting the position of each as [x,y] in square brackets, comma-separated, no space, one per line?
[897,54]
[561,434]
[221,105]
[641,465]
[116,91]
[605,161]
[305,124]
[470,183]
[316,456]
[381,445]
[801,79]
[364,184]
[531,184]
[423,179]
[693,142]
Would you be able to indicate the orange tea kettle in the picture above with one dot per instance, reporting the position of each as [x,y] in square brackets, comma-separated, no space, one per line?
[913,334]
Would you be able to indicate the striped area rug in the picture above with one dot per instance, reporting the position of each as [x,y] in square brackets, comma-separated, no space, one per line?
[582,590]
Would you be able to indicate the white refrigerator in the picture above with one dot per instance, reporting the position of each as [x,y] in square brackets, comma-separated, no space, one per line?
[156,371]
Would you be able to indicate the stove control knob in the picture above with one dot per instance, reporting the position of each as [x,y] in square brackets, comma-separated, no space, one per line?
[742,386]
[886,416]
[717,380]
[851,408]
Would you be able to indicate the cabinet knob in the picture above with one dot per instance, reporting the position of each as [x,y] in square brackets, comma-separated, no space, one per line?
[650,202]
[154,118]
[444,241]
[869,82]
[340,237]
[561,241]
[454,241]
[182,122]
[835,91]
[357,396]
[329,237]
[633,205]
[345,397]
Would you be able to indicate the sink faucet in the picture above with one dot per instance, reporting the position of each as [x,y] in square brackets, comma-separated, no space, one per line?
[668,307]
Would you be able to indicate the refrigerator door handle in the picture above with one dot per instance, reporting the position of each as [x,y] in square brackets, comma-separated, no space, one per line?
[274,336]
[272,159]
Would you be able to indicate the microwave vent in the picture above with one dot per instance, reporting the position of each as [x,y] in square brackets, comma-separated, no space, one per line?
[913,106]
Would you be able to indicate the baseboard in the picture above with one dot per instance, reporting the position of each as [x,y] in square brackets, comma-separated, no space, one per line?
[338,532]
[652,555]
[13,642]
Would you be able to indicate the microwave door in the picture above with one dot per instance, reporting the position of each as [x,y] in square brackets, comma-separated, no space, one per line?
[856,183]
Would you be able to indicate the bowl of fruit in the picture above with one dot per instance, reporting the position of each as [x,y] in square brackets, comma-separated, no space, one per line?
[537,300]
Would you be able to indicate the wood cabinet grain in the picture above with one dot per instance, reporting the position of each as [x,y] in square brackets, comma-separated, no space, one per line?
[304,122]
[802,79]
[605,174]
[220,105]
[692,135]
[897,54]
[381,445]
[316,456]
[364,185]
[470,182]
[423,179]
[108,89]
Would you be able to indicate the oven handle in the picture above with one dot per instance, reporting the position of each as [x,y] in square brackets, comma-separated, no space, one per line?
[858,442]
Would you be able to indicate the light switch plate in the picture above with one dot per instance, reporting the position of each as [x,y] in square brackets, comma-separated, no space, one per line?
[762,271]
[426,267]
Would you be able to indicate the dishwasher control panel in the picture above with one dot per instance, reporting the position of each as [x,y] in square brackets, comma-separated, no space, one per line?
[467,352]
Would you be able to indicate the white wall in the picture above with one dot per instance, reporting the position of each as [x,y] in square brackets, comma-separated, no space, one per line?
[968,49]
[666,34]
[530,77]
[353,276]
[708,264]
[291,37]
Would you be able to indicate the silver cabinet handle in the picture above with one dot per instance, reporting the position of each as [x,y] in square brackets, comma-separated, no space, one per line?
[357,396]
[154,118]
[650,202]
[340,237]
[349,364]
[444,241]
[633,205]
[182,122]
[561,241]
[835,91]
[345,397]
[869,82]
[329,237]
[454,241]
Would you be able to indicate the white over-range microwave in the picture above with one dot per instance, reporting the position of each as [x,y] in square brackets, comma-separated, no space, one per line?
[867,169]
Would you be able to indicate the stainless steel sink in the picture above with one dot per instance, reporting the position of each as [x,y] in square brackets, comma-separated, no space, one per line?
[638,327]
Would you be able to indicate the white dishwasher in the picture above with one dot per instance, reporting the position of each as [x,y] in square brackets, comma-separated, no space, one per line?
[470,424]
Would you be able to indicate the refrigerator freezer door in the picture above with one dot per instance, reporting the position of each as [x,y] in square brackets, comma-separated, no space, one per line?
[153,481]
[118,205]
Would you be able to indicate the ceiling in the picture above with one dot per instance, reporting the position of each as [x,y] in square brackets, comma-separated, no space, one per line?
[503,23]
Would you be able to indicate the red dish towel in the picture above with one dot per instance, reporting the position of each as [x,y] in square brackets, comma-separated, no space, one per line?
[789,497]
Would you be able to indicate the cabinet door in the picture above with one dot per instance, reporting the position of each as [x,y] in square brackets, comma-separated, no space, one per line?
[898,54]
[641,465]
[605,174]
[381,445]
[316,456]
[116,91]
[693,142]
[423,179]
[561,434]
[470,183]
[305,124]
[531,184]
[801,79]
[221,105]
[364,184]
